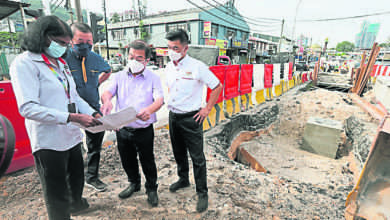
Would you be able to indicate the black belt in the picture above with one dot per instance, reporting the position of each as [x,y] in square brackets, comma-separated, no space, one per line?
[183,115]
[130,129]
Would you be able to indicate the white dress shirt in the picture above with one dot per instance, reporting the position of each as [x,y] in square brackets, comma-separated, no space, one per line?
[42,100]
[186,82]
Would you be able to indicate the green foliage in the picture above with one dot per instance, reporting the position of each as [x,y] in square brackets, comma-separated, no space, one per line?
[5,39]
[144,34]
[115,18]
[345,46]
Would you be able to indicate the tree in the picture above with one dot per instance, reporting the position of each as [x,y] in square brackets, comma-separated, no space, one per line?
[345,46]
[5,39]
[144,34]
[115,18]
[386,43]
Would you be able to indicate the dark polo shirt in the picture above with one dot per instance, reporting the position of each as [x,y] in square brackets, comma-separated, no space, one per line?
[94,65]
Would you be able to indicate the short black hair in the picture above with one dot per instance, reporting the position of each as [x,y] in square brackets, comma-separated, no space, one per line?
[35,38]
[141,45]
[85,28]
[178,34]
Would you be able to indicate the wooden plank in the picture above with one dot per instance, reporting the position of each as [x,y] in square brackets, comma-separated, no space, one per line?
[370,65]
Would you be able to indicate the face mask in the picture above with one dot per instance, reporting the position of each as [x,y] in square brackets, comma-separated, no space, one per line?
[135,66]
[82,49]
[55,50]
[174,56]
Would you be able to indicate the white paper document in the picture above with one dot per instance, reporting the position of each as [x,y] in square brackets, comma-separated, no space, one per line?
[113,121]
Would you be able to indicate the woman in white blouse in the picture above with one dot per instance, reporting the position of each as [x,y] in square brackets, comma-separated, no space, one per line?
[47,98]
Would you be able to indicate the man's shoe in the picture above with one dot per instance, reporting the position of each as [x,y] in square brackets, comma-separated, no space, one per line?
[79,208]
[153,198]
[126,193]
[203,203]
[97,184]
[179,185]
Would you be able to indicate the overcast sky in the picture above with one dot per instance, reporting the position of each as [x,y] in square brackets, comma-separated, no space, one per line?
[336,31]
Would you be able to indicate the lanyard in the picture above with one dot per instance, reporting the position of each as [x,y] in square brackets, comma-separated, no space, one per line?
[66,86]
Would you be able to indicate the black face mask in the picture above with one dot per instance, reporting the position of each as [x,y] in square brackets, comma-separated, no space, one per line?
[82,49]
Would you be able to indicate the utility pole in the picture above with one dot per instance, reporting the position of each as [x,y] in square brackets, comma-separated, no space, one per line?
[139,10]
[10,34]
[23,17]
[78,11]
[46,7]
[281,37]
[105,25]
[295,22]
[70,11]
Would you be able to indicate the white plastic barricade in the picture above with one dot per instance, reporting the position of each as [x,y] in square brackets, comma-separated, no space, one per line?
[258,77]
[276,75]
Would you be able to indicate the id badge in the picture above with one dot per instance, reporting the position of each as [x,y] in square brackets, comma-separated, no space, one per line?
[72,108]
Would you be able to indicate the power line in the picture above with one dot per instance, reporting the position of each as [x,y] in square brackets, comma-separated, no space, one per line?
[232,15]
[212,14]
[269,20]
[346,18]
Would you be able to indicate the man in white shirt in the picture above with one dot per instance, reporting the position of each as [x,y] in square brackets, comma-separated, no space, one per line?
[186,77]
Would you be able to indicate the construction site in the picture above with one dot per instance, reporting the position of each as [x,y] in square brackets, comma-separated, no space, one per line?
[314,146]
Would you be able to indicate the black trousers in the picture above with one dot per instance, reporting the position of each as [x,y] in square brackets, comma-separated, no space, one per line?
[133,142]
[187,135]
[94,144]
[62,179]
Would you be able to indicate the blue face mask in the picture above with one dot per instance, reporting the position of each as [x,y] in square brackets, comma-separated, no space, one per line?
[82,49]
[55,50]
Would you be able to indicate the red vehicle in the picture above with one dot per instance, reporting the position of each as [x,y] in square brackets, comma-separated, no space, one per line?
[22,156]
[223,60]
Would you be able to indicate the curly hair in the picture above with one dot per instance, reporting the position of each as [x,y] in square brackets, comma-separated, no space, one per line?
[35,38]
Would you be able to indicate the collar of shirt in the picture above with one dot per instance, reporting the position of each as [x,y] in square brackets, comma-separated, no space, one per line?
[37,57]
[181,63]
[142,75]
[73,53]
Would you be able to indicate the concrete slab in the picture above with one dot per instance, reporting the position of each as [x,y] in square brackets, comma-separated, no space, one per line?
[323,136]
[382,89]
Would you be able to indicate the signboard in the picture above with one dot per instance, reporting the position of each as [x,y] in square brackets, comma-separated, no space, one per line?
[206,29]
[217,42]
[162,52]
[221,43]
[239,44]
[222,52]
[210,41]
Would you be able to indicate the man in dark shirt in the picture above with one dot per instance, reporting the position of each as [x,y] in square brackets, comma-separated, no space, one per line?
[89,70]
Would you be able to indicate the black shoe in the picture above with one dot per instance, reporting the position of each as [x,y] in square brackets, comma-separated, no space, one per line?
[203,203]
[153,198]
[80,207]
[126,193]
[97,184]
[179,184]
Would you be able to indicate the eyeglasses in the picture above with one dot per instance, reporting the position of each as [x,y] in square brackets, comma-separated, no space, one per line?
[60,42]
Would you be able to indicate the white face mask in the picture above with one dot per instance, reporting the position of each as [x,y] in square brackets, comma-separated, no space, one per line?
[135,66]
[173,55]
[55,50]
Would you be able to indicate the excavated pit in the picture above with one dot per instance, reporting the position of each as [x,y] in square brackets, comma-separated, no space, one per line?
[227,136]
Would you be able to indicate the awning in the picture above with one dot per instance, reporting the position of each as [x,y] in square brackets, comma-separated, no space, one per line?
[7,8]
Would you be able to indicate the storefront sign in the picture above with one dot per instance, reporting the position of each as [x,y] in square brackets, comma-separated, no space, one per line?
[162,52]
[221,43]
[239,44]
[206,29]
[222,52]
[210,41]
[217,42]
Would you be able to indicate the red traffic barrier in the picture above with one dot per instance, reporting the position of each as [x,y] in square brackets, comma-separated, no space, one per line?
[374,70]
[290,71]
[22,157]
[268,69]
[384,70]
[219,72]
[246,79]
[311,75]
[379,70]
[232,75]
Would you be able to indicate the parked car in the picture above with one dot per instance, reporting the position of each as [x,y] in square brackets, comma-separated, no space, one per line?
[301,66]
